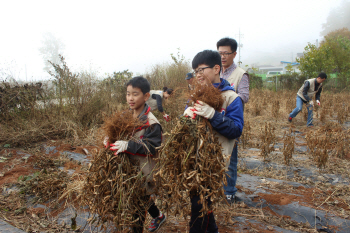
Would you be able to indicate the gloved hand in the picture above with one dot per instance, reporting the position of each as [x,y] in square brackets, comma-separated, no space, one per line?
[204,110]
[311,103]
[166,117]
[318,102]
[119,146]
[189,112]
[106,142]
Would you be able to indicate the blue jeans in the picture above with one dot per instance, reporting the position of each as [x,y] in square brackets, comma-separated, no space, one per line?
[231,174]
[299,107]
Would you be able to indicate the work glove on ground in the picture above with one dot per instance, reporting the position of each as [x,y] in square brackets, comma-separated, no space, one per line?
[119,146]
[166,117]
[106,142]
[311,103]
[189,112]
[204,110]
[318,102]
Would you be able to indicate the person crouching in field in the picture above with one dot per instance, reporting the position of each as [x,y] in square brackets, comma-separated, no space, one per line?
[150,135]
[228,124]
[155,100]
[305,94]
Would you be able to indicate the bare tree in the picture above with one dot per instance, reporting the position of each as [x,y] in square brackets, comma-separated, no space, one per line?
[50,50]
[338,18]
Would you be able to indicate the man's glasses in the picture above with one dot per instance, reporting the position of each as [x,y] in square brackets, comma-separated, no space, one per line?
[225,54]
[201,70]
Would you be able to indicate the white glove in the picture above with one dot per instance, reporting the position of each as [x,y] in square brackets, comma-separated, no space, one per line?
[119,146]
[189,112]
[318,102]
[106,141]
[311,103]
[204,110]
[166,117]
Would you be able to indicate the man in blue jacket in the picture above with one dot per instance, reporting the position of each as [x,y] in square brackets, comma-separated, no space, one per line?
[228,124]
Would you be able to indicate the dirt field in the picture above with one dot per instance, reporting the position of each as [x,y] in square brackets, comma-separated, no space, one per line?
[281,188]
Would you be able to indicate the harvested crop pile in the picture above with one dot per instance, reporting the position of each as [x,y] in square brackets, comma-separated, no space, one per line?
[46,184]
[120,126]
[114,187]
[191,162]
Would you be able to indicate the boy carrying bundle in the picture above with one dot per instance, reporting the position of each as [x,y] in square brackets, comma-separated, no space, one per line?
[228,124]
[143,149]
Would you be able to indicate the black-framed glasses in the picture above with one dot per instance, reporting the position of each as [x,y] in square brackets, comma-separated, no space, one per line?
[201,70]
[225,54]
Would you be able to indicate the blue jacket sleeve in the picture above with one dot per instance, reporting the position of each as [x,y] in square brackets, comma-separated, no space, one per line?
[231,124]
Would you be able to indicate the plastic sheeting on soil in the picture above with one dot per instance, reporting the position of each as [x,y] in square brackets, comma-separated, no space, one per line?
[316,218]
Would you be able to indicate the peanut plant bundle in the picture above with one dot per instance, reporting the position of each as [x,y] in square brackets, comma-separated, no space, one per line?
[120,126]
[208,94]
[191,162]
[114,188]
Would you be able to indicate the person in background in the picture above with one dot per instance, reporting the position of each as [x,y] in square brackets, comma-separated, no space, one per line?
[305,94]
[239,80]
[156,98]
[189,79]
[236,76]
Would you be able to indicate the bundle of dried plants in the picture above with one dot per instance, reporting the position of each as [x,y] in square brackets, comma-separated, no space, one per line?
[208,94]
[114,188]
[191,163]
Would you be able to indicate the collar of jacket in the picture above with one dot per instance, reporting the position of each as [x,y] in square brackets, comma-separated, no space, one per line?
[143,117]
[224,85]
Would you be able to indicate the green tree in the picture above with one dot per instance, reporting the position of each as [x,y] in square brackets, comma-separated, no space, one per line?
[315,60]
[289,68]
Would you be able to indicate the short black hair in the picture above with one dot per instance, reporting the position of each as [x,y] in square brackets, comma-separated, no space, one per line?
[207,57]
[227,42]
[140,82]
[322,75]
[167,90]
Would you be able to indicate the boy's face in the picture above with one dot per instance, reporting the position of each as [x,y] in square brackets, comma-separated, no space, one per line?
[207,75]
[227,56]
[135,98]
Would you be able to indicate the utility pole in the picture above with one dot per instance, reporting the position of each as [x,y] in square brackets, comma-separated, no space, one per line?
[239,46]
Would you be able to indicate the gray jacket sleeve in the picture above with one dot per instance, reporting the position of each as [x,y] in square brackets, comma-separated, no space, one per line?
[159,102]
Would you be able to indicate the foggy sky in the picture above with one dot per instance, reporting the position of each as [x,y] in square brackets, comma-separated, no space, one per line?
[107,36]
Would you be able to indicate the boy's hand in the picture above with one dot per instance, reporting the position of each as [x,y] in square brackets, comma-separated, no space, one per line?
[119,146]
[106,142]
[166,117]
[204,110]
[311,103]
[189,112]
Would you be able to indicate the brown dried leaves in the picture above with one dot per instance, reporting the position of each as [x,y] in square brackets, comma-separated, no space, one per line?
[191,163]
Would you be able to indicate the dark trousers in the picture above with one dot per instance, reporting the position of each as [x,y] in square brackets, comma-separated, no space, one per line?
[204,224]
[141,215]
